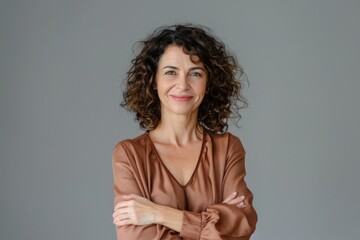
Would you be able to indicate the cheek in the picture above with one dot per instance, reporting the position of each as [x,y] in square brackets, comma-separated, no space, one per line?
[163,88]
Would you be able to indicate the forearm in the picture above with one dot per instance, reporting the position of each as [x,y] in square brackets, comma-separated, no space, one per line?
[173,218]
[169,217]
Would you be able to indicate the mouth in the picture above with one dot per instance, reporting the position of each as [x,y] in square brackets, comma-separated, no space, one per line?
[181,98]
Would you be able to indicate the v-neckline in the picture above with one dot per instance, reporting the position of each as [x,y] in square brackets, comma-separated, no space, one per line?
[168,171]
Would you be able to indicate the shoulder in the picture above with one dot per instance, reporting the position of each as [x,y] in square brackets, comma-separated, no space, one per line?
[129,147]
[227,141]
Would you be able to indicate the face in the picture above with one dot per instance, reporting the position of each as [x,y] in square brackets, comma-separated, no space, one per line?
[180,83]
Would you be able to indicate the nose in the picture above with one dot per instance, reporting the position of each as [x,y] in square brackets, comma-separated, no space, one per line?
[182,82]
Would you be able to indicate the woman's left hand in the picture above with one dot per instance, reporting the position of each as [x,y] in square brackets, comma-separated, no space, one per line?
[135,210]
[233,199]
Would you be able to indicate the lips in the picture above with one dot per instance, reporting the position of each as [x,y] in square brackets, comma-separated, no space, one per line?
[181,98]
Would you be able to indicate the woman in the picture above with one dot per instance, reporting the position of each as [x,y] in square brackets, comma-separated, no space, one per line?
[184,177]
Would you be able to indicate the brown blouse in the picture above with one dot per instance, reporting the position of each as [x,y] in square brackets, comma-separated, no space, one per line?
[219,172]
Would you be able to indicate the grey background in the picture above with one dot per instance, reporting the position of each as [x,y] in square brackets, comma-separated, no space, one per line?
[61,67]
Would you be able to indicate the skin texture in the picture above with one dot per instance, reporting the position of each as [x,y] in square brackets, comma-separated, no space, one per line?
[181,87]
[180,84]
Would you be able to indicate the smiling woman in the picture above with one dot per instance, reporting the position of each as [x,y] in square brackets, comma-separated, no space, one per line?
[184,177]
[180,84]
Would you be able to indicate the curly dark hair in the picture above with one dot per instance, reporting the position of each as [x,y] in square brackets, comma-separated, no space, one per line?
[223,97]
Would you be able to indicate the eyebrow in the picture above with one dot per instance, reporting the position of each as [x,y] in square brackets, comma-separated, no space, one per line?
[191,69]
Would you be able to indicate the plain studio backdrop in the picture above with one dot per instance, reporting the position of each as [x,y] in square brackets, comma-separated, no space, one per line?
[61,67]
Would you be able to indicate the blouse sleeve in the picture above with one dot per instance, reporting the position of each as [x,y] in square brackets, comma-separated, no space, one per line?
[129,180]
[224,221]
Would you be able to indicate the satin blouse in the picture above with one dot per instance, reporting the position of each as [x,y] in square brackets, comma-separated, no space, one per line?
[220,170]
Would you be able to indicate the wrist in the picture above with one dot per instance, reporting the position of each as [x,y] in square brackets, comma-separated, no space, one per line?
[169,217]
[159,214]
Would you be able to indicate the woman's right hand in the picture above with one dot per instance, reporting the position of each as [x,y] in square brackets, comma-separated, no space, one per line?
[233,199]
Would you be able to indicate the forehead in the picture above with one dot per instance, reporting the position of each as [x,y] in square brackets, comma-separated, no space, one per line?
[175,55]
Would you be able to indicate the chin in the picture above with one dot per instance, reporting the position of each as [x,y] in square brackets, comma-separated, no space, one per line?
[182,111]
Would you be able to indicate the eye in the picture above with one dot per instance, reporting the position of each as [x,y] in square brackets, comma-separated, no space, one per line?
[195,74]
[171,72]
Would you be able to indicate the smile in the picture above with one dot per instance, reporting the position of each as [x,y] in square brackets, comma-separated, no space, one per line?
[181,98]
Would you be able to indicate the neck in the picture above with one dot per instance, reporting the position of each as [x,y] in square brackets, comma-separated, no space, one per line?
[178,130]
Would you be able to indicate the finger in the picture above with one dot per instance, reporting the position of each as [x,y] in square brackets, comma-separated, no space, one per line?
[121,218]
[241,205]
[123,215]
[123,211]
[123,204]
[119,212]
[126,198]
[120,205]
[130,197]
[236,200]
[230,197]
[124,222]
